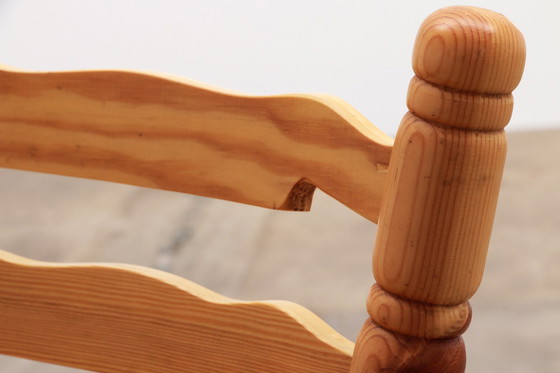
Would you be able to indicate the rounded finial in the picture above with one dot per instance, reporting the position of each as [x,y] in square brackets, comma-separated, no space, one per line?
[469,49]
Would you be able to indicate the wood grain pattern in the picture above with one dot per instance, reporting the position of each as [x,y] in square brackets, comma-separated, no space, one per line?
[444,179]
[379,350]
[120,318]
[469,49]
[172,134]
[417,319]
[457,108]
[441,193]
[433,238]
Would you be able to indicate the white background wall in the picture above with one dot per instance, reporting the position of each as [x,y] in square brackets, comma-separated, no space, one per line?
[357,50]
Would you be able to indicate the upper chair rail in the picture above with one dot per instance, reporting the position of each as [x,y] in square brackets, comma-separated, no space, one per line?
[161,132]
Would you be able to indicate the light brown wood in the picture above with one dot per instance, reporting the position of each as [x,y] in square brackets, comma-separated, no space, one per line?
[417,319]
[442,190]
[432,242]
[166,133]
[469,49]
[121,318]
[445,178]
[459,109]
[379,350]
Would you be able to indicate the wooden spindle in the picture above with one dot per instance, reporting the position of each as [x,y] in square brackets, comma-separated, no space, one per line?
[443,183]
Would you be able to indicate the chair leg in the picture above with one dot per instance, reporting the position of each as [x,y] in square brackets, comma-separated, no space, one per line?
[379,350]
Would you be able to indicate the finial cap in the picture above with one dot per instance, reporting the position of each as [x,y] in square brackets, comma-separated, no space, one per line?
[469,49]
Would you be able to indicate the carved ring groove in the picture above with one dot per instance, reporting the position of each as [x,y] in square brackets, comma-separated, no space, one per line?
[417,319]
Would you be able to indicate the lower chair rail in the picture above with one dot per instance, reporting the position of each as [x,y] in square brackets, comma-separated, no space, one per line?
[122,318]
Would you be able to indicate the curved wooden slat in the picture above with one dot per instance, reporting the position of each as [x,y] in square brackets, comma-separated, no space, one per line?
[173,134]
[121,318]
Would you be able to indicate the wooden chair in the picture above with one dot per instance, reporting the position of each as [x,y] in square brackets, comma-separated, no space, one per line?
[434,191]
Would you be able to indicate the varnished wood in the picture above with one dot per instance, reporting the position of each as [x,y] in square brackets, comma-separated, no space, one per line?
[379,350]
[457,108]
[173,134]
[417,319]
[469,49]
[441,193]
[121,318]
[432,242]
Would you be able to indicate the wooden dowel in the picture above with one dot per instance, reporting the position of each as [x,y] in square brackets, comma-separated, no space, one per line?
[441,194]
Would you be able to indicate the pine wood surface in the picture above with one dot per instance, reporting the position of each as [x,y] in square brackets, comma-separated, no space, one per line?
[118,318]
[174,134]
[417,319]
[398,353]
[469,49]
[449,155]
[458,108]
[432,243]
[443,182]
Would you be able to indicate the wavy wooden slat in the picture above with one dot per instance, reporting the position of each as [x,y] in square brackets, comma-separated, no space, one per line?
[122,318]
[166,133]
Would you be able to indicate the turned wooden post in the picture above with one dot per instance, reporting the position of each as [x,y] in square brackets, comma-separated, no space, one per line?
[443,183]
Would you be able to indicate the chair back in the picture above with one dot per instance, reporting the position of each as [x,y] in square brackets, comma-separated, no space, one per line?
[433,191]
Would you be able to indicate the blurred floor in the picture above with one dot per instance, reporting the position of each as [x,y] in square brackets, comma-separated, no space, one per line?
[319,259]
